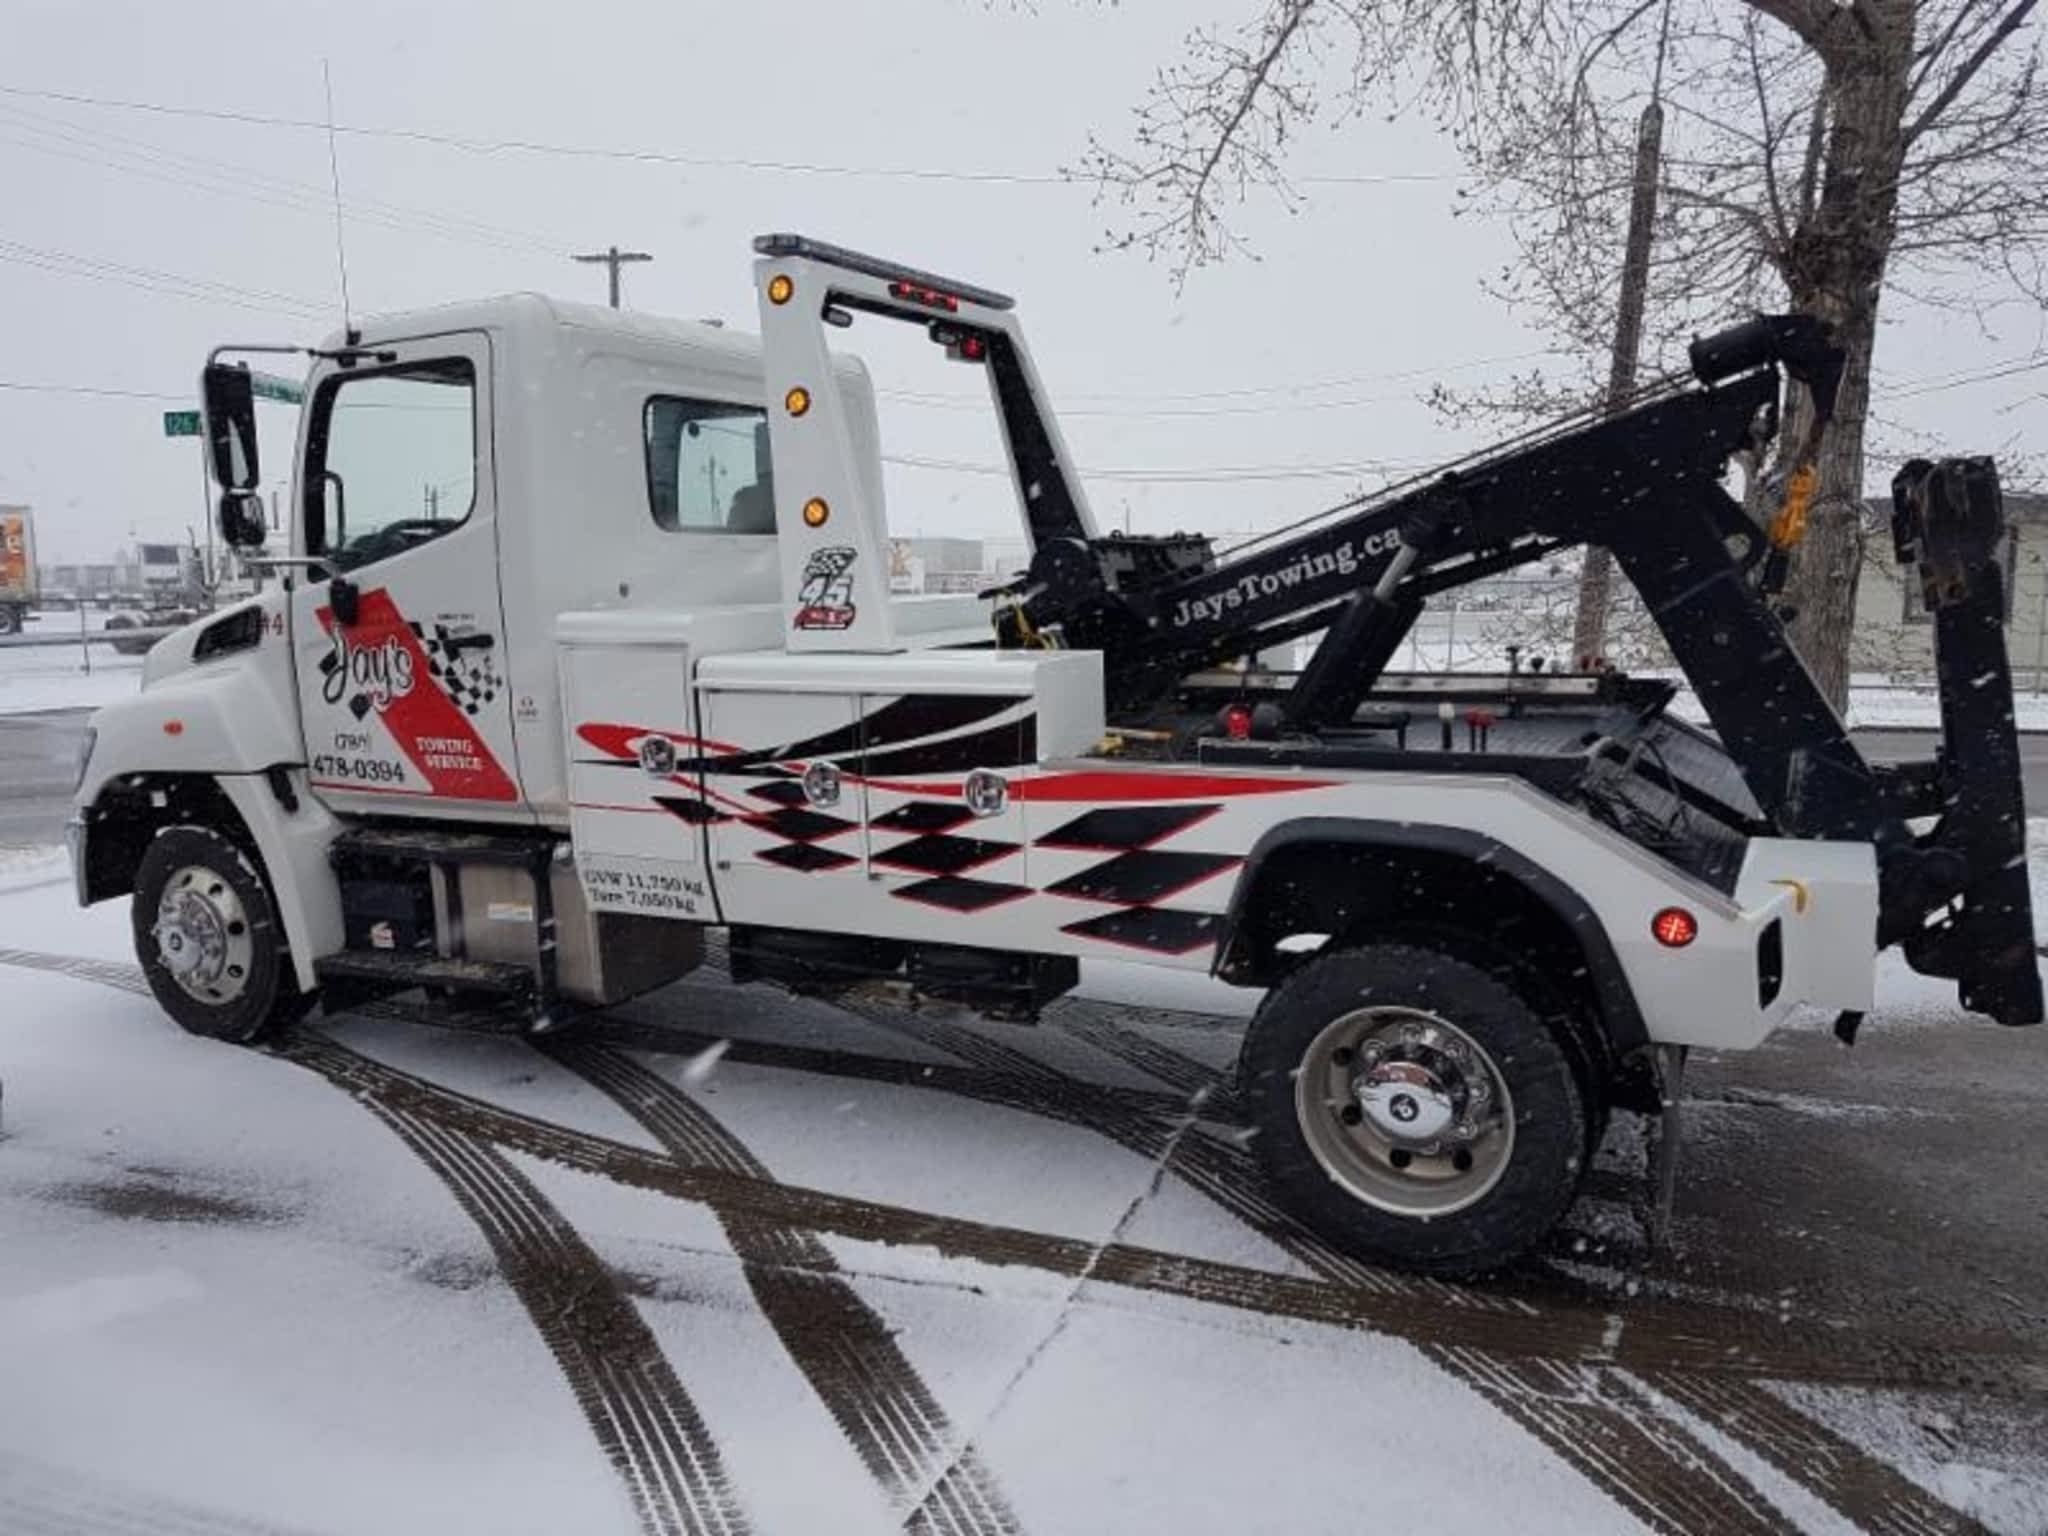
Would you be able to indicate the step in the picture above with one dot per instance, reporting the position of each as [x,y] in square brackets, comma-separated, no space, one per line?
[432,845]
[398,969]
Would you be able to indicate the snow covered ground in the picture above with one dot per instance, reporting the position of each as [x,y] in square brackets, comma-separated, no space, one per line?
[857,1271]
[64,676]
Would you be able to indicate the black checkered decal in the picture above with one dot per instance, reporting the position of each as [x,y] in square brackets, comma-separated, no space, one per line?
[1139,879]
[800,824]
[959,895]
[807,857]
[468,675]
[1126,826]
[1166,930]
[923,816]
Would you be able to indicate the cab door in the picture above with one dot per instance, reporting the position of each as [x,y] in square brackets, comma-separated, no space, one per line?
[397,630]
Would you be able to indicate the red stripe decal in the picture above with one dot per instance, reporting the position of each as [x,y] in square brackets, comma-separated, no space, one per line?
[617,740]
[435,735]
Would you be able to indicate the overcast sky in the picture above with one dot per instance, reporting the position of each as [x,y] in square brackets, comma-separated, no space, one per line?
[132,240]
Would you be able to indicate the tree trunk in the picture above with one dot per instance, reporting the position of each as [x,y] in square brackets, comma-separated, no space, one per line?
[1821,588]
[1596,574]
[1836,270]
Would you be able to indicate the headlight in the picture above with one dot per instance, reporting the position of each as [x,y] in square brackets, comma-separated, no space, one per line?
[85,746]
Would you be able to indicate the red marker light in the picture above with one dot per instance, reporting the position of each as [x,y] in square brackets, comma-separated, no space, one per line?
[1674,927]
[1237,722]
[930,298]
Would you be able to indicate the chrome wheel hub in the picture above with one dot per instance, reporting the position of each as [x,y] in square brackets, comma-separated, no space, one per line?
[1404,1101]
[202,935]
[1405,1110]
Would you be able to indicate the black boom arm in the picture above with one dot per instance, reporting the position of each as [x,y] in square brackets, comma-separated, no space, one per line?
[1648,484]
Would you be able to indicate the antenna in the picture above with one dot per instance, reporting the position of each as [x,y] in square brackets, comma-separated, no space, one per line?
[334,179]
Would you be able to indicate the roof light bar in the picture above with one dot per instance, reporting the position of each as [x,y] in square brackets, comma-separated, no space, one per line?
[876,266]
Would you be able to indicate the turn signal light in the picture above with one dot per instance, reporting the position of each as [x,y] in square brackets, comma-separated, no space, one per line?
[797,401]
[816,512]
[1674,927]
[1237,722]
[780,288]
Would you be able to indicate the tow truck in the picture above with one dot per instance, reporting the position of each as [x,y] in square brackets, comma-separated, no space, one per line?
[587,647]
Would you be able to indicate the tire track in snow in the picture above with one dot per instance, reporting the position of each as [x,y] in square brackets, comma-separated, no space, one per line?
[640,1413]
[1877,1497]
[108,973]
[1661,1473]
[1220,1170]
[1715,1346]
[37,1499]
[1582,1413]
[842,1346]
[1695,1339]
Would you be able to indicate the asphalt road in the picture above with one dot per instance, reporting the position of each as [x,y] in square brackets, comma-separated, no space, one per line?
[39,756]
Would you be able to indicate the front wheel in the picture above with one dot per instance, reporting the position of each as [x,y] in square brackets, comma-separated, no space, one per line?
[1414,1109]
[207,935]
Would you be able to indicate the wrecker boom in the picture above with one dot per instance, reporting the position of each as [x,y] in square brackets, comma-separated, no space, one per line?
[1647,483]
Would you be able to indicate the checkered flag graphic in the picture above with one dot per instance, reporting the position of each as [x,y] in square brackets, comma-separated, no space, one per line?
[467,673]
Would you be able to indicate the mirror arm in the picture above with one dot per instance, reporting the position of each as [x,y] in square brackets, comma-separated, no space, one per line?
[270,348]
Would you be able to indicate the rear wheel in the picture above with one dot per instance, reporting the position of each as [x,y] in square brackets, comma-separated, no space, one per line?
[207,935]
[10,618]
[1414,1109]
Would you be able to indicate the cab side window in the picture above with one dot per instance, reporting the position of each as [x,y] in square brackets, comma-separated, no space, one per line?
[708,468]
[392,460]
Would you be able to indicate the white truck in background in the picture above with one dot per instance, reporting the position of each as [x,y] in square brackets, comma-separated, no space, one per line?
[588,644]
[17,567]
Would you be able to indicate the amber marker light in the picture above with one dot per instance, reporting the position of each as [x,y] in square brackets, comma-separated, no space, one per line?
[781,288]
[816,512]
[797,401]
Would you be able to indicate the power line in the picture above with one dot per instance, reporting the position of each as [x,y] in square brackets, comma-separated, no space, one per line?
[494,146]
[67,264]
[1128,473]
[1199,475]
[136,157]
[2004,370]
[25,387]
[1249,391]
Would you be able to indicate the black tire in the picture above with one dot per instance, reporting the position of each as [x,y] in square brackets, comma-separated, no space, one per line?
[1542,1161]
[10,618]
[266,992]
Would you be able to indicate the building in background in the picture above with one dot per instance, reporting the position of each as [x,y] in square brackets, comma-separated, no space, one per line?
[141,575]
[938,565]
[1894,635]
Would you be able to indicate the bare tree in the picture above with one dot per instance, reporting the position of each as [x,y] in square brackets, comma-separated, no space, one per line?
[1822,154]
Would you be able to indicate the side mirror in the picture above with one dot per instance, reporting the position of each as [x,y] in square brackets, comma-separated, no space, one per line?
[242,523]
[230,403]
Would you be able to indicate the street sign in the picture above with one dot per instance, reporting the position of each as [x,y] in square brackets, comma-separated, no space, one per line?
[268,386]
[181,424]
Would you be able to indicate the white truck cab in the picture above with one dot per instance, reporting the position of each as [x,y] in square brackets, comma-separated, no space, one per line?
[586,644]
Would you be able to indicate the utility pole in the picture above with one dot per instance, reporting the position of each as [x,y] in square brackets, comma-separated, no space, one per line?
[1596,573]
[613,259]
